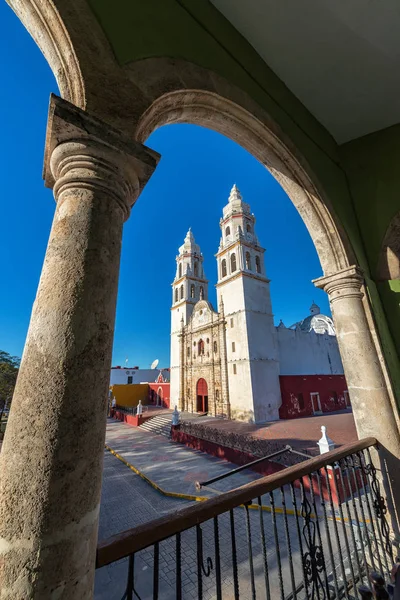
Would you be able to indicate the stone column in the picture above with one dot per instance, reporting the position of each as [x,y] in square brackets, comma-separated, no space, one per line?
[369,396]
[51,460]
[224,363]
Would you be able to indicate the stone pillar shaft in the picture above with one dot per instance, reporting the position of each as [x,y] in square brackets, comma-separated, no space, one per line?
[369,396]
[51,461]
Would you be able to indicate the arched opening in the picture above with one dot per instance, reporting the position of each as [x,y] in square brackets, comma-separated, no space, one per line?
[160,396]
[227,231]
[196,268]
[176,295]
[200,347]
[248,227]
[258,265]
[202,396]
[233,262]
[180,270]
[192,290]
[181,292]
[248,261]
[201,293]
[223,267]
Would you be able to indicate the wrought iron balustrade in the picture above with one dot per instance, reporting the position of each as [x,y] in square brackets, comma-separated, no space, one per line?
[315,530]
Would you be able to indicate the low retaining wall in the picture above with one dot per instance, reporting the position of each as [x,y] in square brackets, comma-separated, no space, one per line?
[336,491]
[134,420]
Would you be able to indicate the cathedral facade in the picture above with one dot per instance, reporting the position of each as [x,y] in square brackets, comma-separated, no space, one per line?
[229,362]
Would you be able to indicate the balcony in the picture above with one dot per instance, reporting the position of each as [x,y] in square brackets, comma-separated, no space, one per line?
[316,530]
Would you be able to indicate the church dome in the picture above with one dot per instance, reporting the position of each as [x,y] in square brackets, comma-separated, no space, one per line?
[316,322]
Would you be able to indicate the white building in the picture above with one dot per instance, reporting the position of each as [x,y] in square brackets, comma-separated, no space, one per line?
[128,375]
[229,362]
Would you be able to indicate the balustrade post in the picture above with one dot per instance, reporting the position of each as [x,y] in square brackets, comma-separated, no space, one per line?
[51,460]
[372,408]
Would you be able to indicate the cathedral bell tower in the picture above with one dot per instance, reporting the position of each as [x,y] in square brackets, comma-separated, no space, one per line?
[188,287]
[252,347]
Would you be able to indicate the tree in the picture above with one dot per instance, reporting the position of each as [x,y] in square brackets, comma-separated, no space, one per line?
[9,366]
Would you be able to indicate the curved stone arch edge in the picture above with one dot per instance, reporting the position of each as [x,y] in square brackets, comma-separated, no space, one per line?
[212,111]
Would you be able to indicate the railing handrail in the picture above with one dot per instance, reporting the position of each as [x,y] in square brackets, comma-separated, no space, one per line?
[132,540]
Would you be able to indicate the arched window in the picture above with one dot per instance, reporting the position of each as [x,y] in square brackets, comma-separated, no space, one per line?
[228,231]
[223,268]
[180,269]
[215,347]
[248,261]
[233,262]
[248,228]
[188,351]
[192,291]
[181,292]
[201,293]
[258,264]
[200,347]
[176,294]
[196,269]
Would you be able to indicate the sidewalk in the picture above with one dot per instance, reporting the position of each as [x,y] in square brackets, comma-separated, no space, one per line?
[171,466]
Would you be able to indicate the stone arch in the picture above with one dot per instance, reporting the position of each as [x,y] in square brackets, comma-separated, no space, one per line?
[213,111]
[389,257]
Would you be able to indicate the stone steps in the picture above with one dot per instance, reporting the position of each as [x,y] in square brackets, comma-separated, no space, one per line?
[160,424]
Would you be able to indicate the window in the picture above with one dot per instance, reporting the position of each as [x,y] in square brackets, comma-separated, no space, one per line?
[234,369]
[248,261]
[201,293]
[248,228]
[194,343]
[258,264]
[200,347]
[217,395]
[130,379]
[300,399]
[208,340]
[176,295]
[233,263]
[335,397]
[223,268]
[180,269]
[228,231]
[231,322]
[196,268]
[233,347]
[192,291]
[215,346]
[181,292]
[188,351]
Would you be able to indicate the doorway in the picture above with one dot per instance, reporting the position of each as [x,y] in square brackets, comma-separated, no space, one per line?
[316,403]
[202,396]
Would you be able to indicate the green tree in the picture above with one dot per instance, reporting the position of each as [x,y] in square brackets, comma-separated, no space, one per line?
[9,366]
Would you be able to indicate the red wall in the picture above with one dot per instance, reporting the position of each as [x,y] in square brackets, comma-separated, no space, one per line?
[292,385]
[165,393]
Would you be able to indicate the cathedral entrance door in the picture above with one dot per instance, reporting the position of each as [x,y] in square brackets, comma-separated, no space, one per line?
[202,396]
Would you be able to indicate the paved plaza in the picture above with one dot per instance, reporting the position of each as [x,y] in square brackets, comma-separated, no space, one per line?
[127,501]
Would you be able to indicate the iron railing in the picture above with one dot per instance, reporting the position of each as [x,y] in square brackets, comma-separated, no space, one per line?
[130,410]
[315,530]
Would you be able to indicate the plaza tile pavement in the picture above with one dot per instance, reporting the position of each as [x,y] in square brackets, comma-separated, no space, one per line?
[300,433]
[128,501]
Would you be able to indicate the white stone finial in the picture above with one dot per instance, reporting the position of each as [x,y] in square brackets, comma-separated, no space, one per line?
[325,444]
[235,194]
[176,416]
[139,409]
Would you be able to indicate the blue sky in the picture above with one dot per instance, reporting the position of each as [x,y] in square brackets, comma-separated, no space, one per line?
[189,188]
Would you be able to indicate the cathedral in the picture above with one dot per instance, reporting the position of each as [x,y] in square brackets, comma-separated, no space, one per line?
[233,362]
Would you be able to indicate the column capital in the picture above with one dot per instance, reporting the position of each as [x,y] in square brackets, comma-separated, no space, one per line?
[82,150]
[343,284]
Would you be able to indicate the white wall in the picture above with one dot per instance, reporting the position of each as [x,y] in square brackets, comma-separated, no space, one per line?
[120,376]
[308,353]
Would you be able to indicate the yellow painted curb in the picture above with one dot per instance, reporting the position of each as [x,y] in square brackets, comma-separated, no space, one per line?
[278,509]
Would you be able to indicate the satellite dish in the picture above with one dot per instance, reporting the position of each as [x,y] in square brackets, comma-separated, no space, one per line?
[154,364]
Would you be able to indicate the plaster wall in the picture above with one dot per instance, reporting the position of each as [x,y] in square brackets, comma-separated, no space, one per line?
[308,353]
[331,390]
